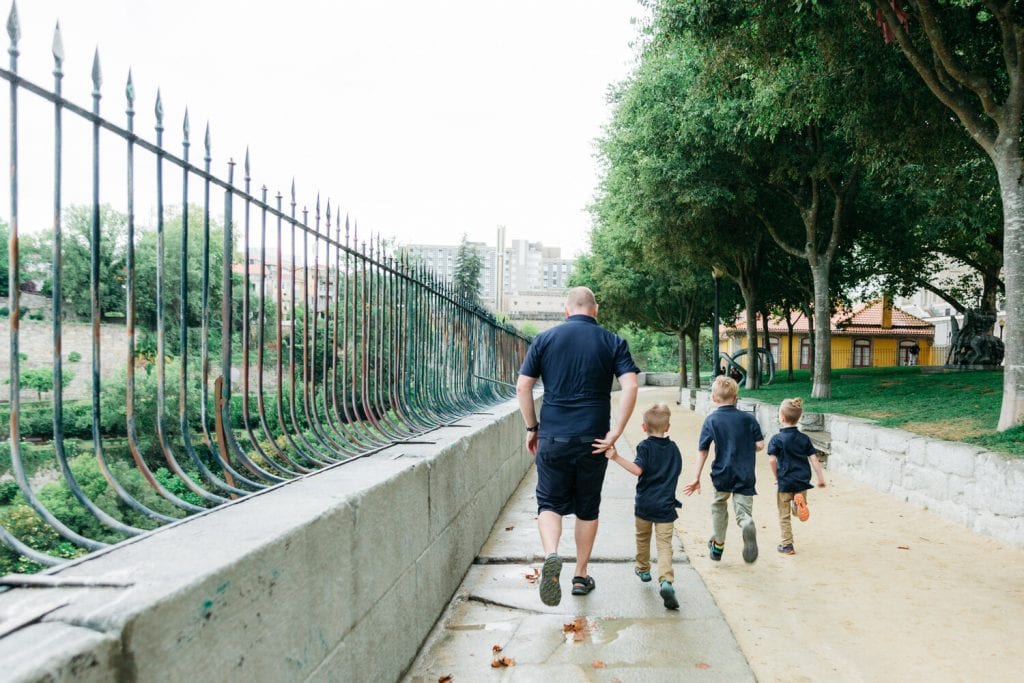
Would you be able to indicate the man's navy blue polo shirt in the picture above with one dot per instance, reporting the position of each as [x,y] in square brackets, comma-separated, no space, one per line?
[577,361]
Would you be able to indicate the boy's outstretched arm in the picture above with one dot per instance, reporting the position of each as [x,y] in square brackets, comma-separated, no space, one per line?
[630,467]
[694,486]
[773,462]
[818,470]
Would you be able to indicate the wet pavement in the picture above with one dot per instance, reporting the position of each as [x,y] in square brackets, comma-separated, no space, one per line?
[620,632]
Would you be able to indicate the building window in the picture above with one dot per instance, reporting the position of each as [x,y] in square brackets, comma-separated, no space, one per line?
[805,352]
[909,352]
[773,344]
[861,353]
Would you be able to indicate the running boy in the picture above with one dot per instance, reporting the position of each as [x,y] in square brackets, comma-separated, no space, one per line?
[737,437]
[658,464]
[792,456]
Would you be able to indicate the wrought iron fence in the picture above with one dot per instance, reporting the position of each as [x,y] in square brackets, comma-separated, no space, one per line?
[299,348]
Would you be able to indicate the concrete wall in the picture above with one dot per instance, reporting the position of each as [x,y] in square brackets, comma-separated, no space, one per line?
[338,576]
[980,489]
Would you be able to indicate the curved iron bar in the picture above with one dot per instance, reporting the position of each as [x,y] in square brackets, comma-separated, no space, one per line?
[226,439]
[13,279]
[261,343]
[183,423]
[247,333]
[231,474]
[56,269]
[161,353]
[390,353]
[280,341]
[766,364]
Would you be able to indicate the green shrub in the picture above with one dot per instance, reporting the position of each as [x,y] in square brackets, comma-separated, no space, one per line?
[4,312]
[74,357]
[8,490]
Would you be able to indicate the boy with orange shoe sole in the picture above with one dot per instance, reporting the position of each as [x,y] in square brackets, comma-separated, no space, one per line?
[791,456]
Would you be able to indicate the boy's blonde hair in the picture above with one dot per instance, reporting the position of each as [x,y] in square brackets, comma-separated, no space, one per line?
[791,409]
[724,389]
[657,418]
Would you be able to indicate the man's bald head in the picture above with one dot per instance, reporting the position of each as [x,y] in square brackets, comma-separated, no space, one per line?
[580,300]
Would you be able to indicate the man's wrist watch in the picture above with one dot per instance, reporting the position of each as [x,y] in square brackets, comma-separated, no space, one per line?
[533,428]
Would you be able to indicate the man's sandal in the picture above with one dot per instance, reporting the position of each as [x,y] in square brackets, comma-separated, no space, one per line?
[581,585]
[550,590]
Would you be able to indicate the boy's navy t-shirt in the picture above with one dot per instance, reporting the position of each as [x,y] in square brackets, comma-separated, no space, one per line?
[577,361]
[735,434]
[792,448]
[662,464]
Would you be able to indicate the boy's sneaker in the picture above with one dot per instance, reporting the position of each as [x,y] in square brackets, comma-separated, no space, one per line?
[550,590]
[668,595]
[715,550]
[786,549]
[800,503]
[644,575]
[749,542]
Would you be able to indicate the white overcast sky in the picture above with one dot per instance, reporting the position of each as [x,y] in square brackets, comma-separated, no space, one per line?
[424,120]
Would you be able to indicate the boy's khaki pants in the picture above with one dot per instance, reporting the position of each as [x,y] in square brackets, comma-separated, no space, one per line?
[663,532]
[742,505]
[785,502]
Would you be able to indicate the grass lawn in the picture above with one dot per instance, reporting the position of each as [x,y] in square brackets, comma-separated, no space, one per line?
[957,406]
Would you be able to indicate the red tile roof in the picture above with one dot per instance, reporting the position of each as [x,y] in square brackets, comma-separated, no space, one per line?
[861,320]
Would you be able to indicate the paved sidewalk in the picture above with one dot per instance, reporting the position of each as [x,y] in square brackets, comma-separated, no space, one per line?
[879,590]
[627,634]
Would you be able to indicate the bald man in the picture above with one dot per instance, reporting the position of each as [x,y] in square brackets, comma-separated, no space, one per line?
[576,362]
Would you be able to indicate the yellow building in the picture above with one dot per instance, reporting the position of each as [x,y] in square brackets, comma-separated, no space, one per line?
[874,334]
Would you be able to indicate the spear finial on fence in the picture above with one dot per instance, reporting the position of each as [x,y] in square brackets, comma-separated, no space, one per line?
[13,32]
[97,73]
[185,129]
[293,195]
[247,175]
[206,143]
[159,109]
[58,52]
[328,217]
[129,95]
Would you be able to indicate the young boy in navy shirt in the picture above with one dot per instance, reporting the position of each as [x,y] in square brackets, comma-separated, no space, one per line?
[658,464]
[737,437]
[791,456]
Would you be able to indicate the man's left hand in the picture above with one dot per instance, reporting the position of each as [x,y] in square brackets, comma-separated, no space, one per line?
[601,445]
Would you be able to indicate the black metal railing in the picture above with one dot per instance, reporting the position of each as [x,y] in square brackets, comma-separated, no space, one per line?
[301,347]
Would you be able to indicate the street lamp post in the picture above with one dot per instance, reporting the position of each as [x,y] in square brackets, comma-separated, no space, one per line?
[716,274]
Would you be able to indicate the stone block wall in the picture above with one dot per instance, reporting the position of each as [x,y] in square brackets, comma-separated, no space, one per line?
[337,576]
[977,488]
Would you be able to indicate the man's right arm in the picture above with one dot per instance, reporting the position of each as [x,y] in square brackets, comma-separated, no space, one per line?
[524,394]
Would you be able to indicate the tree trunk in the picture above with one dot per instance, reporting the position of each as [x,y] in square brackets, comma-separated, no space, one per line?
[682,360]
[822,331]
[1009,170]
[752,369]
[789,346]
[695,356]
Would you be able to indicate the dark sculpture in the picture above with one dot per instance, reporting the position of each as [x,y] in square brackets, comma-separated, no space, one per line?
[974,343]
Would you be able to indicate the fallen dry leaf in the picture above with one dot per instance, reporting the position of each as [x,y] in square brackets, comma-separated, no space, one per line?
[903,547]
[598,664]
[502,662]
[496,648]
[579,628]
[534,576]
[703,665]
[445,679]
[509,528]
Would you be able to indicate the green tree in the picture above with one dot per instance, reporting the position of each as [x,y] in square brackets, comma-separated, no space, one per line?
[970,55]
[76,263]
[41,379]
[467,271]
